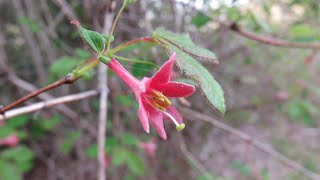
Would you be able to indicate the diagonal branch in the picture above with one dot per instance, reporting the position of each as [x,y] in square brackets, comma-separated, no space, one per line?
[46,104]
[268,39]
[259,145]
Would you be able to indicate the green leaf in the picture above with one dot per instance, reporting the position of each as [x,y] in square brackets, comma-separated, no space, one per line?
[140,70]
[129,139]
[119,156]
[93,39]
[18,154]
[185,44]
[242,168]
[180,44]
[135,163]
[5,131]
[301,110]
[68,143]
[18,121]
[302,32]
[200,19]
[92,151]
[62,66]
[29,23]
[10,171]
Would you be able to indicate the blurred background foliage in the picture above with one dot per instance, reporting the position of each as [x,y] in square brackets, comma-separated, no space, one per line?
[272,93]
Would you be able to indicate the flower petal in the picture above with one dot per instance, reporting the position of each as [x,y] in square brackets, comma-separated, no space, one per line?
[173,112]
[143,115]
[175,89]
[156,119]
[130,80]
[163,74]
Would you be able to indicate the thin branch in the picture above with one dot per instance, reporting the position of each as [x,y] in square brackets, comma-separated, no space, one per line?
[49,103]
[66,9]
[66,80]
[30,40]
[268,39]
[103,109]
[192,159]
[259,145]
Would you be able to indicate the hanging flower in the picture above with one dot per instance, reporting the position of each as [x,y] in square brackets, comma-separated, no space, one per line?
[153,95]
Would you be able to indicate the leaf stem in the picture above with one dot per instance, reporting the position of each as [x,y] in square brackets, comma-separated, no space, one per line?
[126,44]
[134,60]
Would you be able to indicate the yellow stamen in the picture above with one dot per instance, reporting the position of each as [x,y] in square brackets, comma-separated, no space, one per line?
[159,101]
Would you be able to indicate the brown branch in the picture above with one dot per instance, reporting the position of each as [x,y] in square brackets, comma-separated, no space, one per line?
[268,39]
[46,104]
[66,80]
[259,145]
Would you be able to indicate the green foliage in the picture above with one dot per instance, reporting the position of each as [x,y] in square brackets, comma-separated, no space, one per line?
[42,126]
[62,66]
[242,168]
[134,163]
[185,49]
[15,161]
[129,139]
[10,171]
[233,14]
[17,122]
[29,23]
[67,144]
[127,2]
[126,100]
[200,19]
[301,110]
[5,131]
[301,32]
[93,39]
[140,70]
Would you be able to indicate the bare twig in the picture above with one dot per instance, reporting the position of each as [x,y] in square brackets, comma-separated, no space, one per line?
[259,145]
[35,52]
[192,159]
[268,39]
[66,9]
[66,80]
[47,104]
[103,109]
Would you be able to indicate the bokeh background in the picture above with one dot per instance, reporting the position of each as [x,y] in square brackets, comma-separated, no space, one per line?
[272,93]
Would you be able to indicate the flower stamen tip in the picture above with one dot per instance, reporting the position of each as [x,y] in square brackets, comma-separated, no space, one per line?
[180,127]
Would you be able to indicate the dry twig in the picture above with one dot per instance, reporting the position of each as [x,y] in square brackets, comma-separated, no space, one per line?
[46,104]
[259,145]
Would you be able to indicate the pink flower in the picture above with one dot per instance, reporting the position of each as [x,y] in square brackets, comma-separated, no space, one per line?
[10,141]
[149,147]
[152,95]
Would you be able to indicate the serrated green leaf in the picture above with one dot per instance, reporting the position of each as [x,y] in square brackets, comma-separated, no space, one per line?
[185,44]
[200,19]
[93,39]
[209,86]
